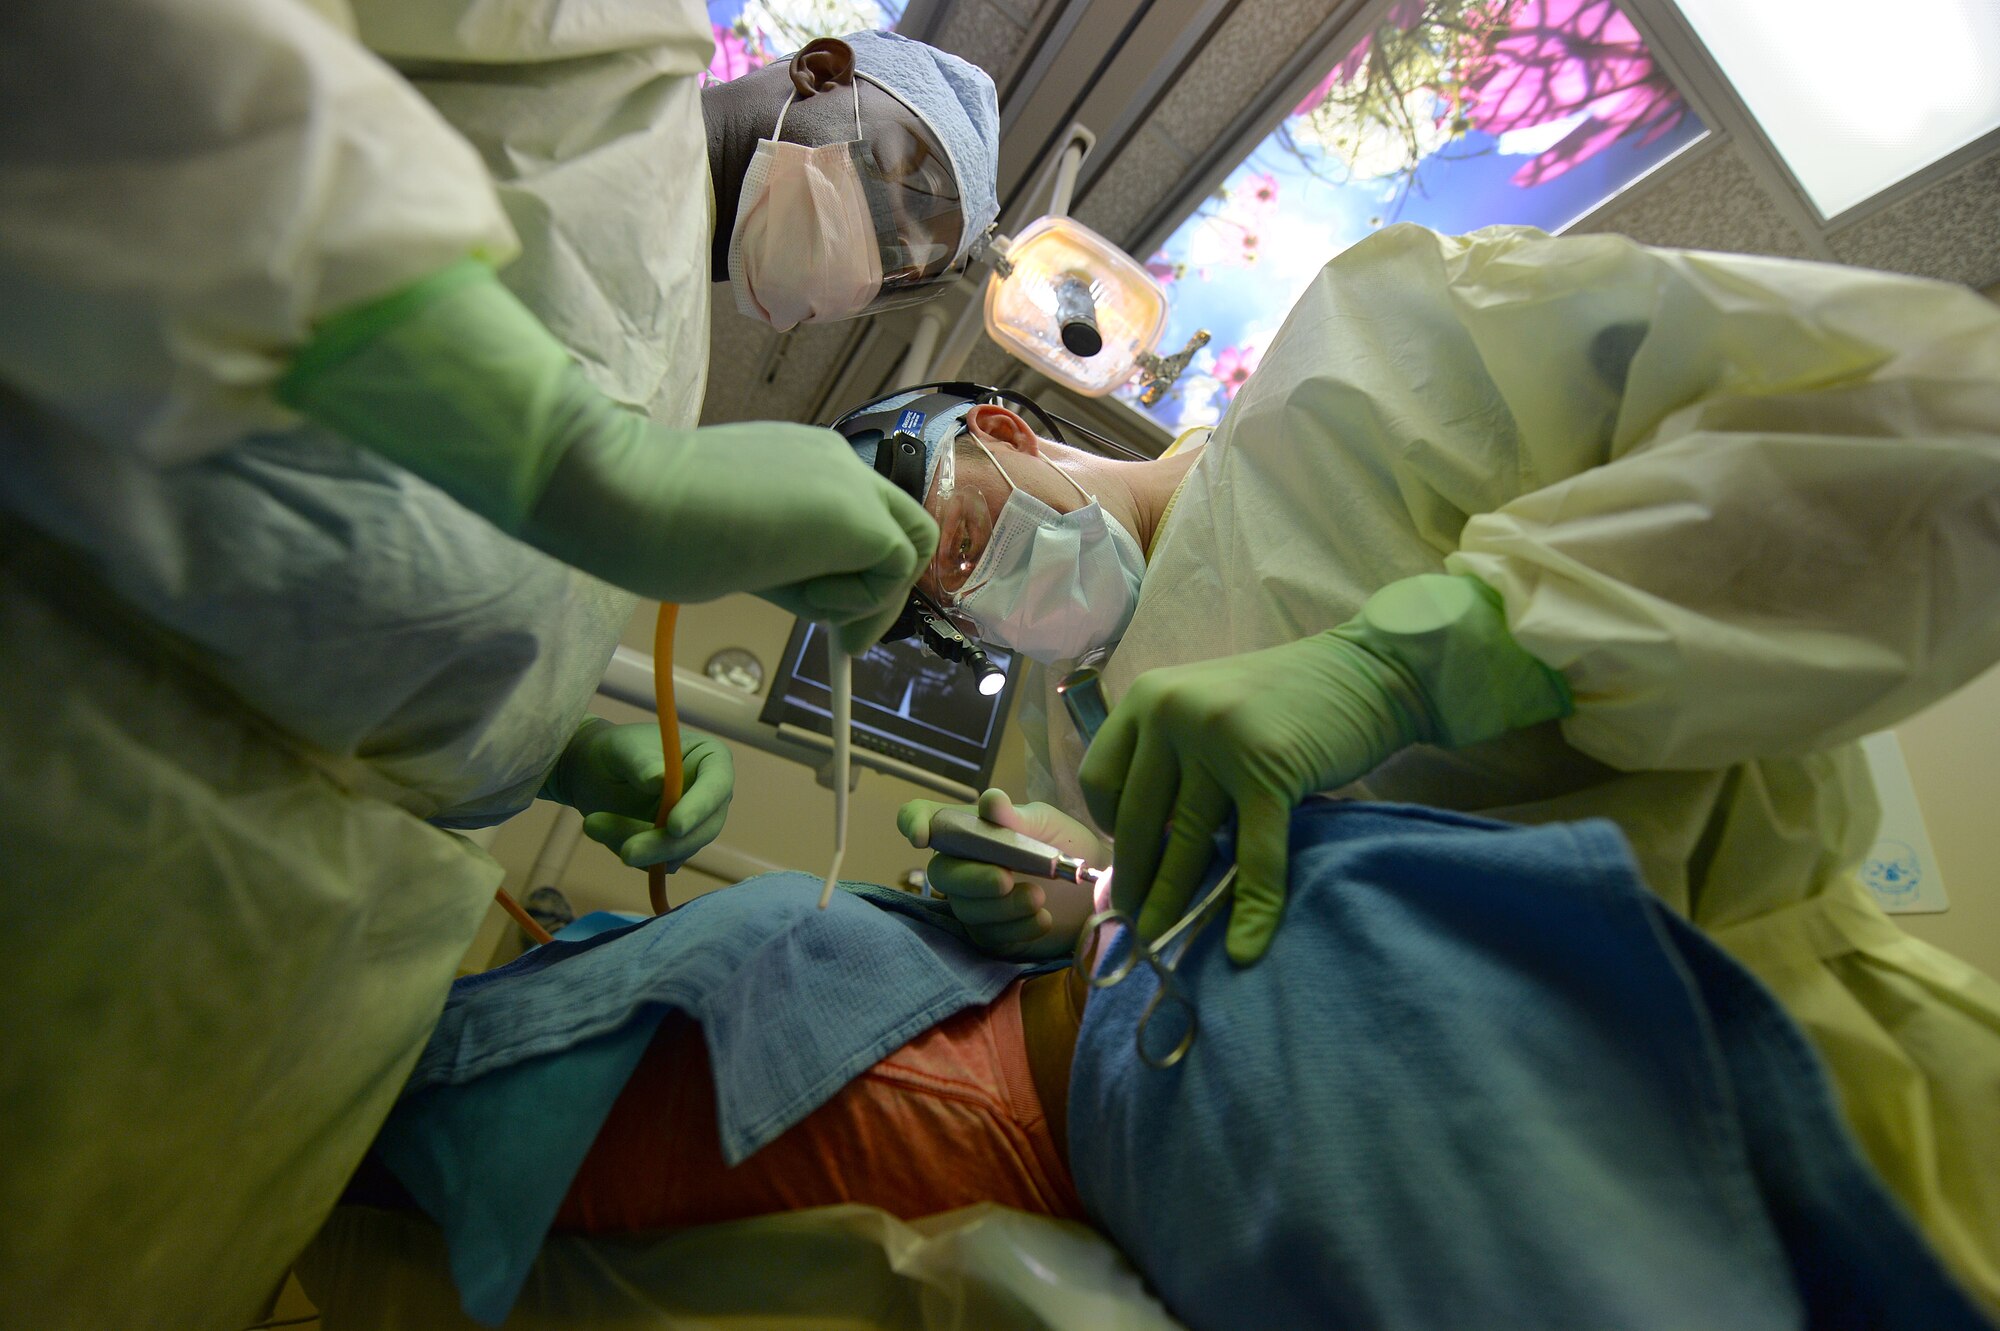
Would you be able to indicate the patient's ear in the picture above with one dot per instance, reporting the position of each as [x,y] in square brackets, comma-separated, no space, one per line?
[822,64]
[997,427]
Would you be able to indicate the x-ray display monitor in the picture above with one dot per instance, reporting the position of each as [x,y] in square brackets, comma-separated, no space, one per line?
[908,704]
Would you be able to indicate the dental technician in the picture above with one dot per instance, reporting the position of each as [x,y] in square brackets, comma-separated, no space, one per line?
[1543,529]
[318,535]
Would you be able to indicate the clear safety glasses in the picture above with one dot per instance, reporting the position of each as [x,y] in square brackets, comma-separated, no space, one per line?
[913,201]
[965,526]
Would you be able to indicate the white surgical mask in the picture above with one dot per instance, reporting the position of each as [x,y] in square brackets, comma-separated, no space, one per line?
[1053,585]
[803,249]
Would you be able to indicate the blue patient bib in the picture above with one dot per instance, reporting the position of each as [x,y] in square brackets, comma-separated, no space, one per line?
[525,1063]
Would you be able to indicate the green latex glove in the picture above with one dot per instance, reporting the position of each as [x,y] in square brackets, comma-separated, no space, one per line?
[454,379]
[1428,660]
[612,774]
[1008,914]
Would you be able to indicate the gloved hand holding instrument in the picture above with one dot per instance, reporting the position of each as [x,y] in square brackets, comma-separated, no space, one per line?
[1427,661]
[1024,879]
[1021,879]
[616,775]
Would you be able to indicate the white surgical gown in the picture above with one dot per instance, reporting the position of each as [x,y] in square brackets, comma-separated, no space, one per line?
[241,661]
[1749,508]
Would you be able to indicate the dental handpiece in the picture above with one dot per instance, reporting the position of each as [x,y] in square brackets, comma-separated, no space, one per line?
[956,832]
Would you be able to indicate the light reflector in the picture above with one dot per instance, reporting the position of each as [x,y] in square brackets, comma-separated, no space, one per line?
[1856,95]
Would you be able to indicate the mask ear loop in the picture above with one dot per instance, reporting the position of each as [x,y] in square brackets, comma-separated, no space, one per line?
[980,444]
[778,129]
[973,582]
[1088,497]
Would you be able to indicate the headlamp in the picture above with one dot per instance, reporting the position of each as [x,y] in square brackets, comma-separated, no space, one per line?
[945,639]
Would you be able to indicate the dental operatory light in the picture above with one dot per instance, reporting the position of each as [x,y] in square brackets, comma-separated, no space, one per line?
[1073,305]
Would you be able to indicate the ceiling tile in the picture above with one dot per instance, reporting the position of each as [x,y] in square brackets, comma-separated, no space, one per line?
[756,374]
[1236,67]
[1950,230]
[1151,167]
[1713,202]
[985,34]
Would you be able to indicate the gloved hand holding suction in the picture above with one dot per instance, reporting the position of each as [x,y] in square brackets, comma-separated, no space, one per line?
[456,380]
[611,774]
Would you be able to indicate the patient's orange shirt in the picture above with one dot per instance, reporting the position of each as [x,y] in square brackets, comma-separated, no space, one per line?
[948,1120]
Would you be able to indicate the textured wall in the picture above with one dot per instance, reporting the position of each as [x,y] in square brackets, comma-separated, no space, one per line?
[1951,230]
[1712,202]
[1956,768]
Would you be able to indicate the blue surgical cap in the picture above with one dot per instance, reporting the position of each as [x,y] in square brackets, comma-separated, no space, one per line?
[956,102]
[939,428]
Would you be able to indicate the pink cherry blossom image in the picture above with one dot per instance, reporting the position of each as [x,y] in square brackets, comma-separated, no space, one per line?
[733,57]
[1232,236]
[1257,195]
[1402,16]
[1544,60]
[1343,72]
[1234,366]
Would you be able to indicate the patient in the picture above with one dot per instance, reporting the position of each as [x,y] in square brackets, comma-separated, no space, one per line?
[969,1111]
[1482,1078]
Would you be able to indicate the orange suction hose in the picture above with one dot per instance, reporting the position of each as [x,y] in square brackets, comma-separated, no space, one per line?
[670,787]
[521,917]
[670,740]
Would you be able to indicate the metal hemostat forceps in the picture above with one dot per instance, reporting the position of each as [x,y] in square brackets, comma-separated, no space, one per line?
[1164,954]
[1082,692]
